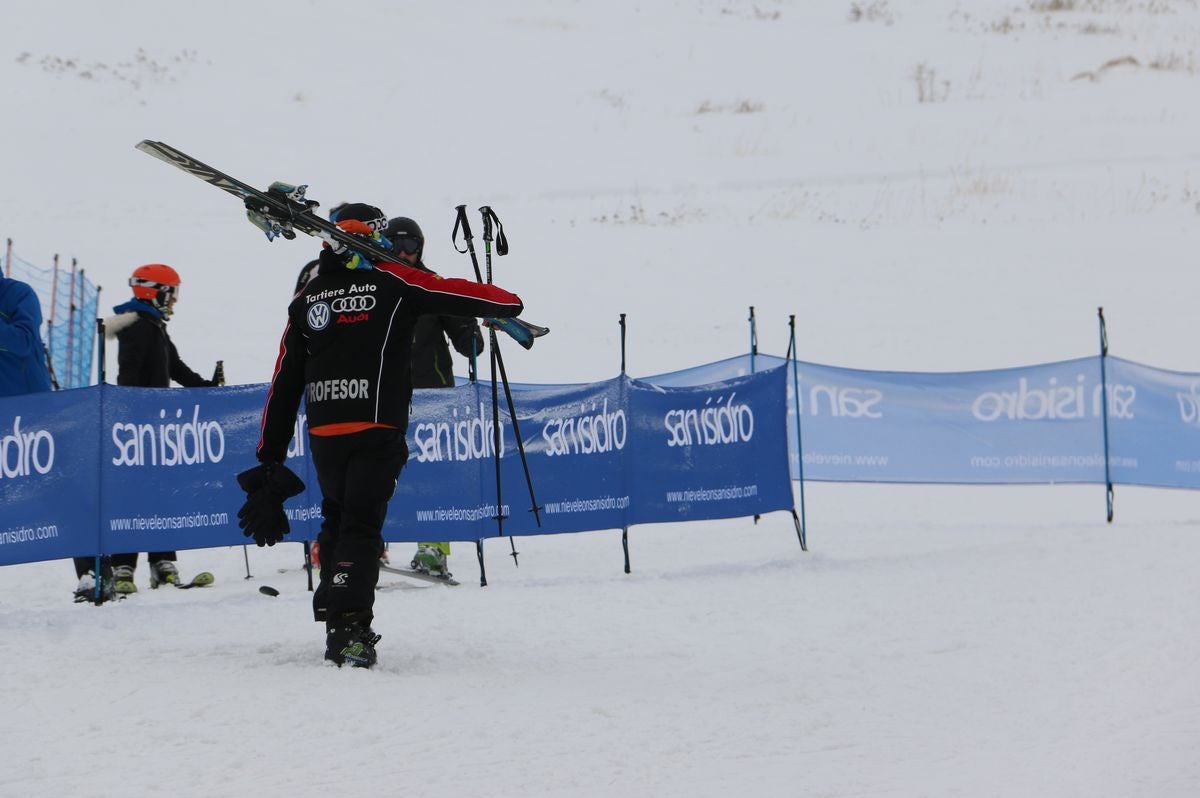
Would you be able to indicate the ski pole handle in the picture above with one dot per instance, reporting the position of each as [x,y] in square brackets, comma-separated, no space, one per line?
[490,217]
[461,222]
[486,212]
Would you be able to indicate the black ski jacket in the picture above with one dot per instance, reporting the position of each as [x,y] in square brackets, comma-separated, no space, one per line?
[432,366]
[348,343]
[146,357]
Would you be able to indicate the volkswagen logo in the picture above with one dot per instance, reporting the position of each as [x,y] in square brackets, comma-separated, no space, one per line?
[318,316]
[352,304]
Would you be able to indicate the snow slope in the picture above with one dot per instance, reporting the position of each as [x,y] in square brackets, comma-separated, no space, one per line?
[927,186]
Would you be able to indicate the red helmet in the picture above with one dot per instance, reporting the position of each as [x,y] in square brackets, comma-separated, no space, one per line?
[157,283]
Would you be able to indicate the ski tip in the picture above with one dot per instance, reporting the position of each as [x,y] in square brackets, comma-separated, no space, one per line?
[156,149]
[534,332]
[202,579]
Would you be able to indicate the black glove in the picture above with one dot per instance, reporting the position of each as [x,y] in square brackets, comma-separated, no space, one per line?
[267,487]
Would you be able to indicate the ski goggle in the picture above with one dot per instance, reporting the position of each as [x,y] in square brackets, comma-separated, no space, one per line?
[409,245]
[164,292]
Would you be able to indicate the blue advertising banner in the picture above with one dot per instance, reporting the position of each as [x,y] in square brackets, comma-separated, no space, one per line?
[438,496]
[168,463]
[709,451]
[1154,425]
[577,438]
[49,486]
[1038,424]
[142,469]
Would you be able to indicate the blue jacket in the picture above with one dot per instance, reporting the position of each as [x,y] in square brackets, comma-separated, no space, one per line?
[22,356]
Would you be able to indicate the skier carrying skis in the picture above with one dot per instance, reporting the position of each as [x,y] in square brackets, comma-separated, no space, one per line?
[432,365]
[346,350]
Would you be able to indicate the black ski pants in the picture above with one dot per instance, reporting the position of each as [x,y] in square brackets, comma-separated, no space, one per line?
[357,474]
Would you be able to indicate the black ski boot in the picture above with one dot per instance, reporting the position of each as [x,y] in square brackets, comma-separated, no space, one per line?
[85,591]
[349,640]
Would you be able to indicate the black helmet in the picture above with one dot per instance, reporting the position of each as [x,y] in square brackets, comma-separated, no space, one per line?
[405,235]
[358,211]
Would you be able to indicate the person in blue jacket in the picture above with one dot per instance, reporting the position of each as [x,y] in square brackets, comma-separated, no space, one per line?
[23,370]
[23,366]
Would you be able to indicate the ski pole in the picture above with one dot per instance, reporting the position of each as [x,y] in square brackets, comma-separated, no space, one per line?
[461,222]
[498,362]
[489,217]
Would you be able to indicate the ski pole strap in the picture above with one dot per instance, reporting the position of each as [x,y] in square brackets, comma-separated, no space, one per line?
[490,217]
[461,222]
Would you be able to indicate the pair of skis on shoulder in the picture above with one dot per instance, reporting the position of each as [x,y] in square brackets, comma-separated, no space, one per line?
[283,210]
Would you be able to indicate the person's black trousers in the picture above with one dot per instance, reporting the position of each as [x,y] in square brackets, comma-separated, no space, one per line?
[357,474]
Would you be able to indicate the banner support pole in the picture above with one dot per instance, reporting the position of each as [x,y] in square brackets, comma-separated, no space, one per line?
[482,570]
[800,520]
[753,339]
[624,528]
[98,596]
[622,323]
[1108,484]
[100,344]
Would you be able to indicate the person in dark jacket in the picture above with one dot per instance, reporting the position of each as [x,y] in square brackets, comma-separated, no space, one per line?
[147,358]
[346,351]
[432,366]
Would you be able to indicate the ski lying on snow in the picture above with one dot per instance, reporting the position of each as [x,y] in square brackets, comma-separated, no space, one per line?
[441,580]
[202,579]
[449,581]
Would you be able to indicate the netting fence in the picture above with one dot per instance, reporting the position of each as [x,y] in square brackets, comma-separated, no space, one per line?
[69,303]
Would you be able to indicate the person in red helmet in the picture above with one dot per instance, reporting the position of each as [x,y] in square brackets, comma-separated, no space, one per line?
[147,358]
[347,353]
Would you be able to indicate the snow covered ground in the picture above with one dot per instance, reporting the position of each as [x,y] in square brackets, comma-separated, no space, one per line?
[927,186]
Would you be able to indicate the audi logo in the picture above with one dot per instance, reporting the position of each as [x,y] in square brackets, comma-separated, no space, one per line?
[318,316]
[352,304]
